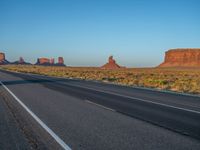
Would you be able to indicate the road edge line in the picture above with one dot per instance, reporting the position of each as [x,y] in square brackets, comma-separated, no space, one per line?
[39,121]
[138,99]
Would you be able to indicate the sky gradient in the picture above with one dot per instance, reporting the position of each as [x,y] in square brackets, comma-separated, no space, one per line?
[86,32]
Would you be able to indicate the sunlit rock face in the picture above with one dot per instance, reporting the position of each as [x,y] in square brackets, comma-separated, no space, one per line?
[43,61]
[3,59]
[111,64]
[50,62]
[2,56]
[189,57]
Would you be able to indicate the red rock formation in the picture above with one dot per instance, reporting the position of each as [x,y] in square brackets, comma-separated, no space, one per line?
[52,61]
[60,60]
[3,59]
[42,61]
[182,58]
[111,64]
[21,60]
[2,56]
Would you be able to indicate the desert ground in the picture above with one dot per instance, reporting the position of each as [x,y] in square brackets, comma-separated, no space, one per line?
[184,80]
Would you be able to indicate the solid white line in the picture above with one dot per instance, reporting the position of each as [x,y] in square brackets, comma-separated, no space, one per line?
[134,98]
[44,126]
[100,105]
[139,99]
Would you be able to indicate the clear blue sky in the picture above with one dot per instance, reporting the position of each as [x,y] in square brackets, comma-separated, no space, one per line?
[86,32]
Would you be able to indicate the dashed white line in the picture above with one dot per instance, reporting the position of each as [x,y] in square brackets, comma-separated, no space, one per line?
[42,124]
[104,107]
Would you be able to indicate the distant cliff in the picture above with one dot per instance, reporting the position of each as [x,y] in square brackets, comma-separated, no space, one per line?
[189,57]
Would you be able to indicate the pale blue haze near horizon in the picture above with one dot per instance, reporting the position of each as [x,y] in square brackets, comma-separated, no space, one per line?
[86,32]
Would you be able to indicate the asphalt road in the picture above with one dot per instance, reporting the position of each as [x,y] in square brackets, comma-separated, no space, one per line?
[92,115]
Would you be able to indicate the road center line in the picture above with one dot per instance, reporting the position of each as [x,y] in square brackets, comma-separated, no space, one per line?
[42,124]
[100,105]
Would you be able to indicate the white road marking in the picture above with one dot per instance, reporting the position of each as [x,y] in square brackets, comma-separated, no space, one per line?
[134,98]
[44,126]
[130,97]
[100,105]
[139,99]
[135,87]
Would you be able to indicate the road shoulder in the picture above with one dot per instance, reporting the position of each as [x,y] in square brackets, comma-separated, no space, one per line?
[25,133]
[11,136]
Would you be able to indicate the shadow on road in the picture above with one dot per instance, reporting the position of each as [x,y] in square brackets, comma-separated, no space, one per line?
[30,81]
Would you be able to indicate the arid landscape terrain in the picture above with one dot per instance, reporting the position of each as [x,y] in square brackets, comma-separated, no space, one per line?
[180,72]
[179,80]
[100,75]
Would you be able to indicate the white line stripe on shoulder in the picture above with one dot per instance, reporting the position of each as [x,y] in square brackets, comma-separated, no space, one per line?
[44,126]
[134,98]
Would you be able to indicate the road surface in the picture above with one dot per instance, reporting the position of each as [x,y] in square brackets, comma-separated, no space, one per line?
[92,115]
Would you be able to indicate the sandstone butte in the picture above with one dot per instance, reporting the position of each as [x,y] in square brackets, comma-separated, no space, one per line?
[20,62]
[60,60]
[3,59]
[42,61]
[182,57]
[50,62]
[111,64]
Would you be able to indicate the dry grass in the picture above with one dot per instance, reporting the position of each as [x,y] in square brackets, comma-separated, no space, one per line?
[180,80]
